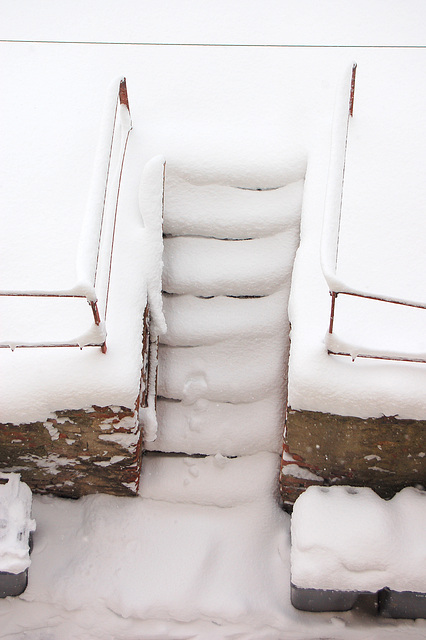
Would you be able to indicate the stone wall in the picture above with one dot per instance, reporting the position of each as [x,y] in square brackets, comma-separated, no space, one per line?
[386,453]
[76,452]
[89,450]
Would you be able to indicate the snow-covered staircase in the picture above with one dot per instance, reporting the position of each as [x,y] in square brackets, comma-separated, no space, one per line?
[228,258]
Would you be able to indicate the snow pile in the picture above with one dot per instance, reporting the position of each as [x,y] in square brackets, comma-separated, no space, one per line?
[15,523]
[346,538]
[228,257]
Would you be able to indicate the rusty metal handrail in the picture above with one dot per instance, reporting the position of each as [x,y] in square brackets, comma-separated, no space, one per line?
[331,235]
[117,119]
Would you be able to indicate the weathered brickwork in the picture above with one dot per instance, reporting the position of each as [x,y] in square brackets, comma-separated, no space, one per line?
[386,453]
[76,452]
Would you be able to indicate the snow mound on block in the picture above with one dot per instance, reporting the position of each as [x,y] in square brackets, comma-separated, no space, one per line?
[349,539]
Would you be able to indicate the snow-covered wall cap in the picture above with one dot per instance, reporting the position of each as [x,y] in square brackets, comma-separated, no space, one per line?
[151,202]
[15,523]
[348,538]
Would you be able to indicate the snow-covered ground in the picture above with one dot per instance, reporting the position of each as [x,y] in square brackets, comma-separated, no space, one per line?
[204,551]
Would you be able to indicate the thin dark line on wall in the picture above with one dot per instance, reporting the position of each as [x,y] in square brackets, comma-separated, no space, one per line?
[218,45]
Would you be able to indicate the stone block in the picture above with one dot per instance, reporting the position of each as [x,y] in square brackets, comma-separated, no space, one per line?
[385,453]
[76,452]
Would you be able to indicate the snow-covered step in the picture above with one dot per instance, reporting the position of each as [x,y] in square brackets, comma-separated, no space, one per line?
[213,480]
[229,246]
[230,371]
[194,321]
[209,427]
[209,267]
[221,211]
